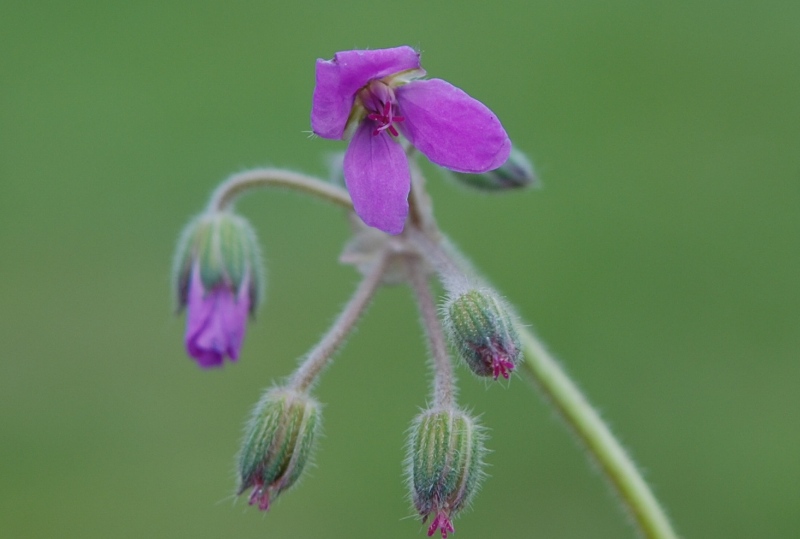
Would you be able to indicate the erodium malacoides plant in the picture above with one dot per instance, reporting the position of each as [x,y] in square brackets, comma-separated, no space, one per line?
[380,102]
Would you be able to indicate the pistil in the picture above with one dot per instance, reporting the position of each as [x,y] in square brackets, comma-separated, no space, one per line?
[378,98]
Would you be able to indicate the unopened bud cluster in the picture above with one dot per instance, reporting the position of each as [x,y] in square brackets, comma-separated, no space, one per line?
[376,99]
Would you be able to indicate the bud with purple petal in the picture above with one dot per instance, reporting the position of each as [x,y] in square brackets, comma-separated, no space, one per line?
[480,329]
[445,465]
[516,173]
[278,442]
[218,279]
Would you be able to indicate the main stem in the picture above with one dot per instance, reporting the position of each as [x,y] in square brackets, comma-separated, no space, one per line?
[564,394]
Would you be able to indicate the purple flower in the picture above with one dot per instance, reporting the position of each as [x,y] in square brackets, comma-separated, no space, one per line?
[216,320]
[371,98]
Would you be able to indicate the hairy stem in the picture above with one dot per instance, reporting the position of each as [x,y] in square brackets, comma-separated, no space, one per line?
[235,185]
[618,467]
[455,272]
[444,379]
[323,352]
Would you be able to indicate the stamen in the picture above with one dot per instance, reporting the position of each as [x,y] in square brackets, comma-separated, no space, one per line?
[385,119]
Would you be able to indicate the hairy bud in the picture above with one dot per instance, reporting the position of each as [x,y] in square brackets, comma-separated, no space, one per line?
[445,461]
[224,250]
[218,277]
[480,329]
[517,172]
[278,443]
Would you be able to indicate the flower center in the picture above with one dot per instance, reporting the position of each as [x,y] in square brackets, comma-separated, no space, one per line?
[378,98]
[384,119]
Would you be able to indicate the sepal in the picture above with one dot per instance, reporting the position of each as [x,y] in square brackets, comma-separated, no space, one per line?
[278,443]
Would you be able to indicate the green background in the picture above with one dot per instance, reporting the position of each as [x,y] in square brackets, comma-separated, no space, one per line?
[660,262]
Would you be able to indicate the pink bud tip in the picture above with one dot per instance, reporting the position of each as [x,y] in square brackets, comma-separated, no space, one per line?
[260,496]
[501,367]
[441,523]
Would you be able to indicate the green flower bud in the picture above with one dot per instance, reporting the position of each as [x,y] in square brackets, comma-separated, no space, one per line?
[223,248]
[445,461]
[517,172]
[278,443]
[479,327]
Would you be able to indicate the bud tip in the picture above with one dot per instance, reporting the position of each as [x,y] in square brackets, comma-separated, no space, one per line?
[501,366]
[441,523]
[260,495]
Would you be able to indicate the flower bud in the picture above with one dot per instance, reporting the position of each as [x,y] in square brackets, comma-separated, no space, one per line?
[218,278]
[278,442]
[517,172]
[480,329]
[445,461]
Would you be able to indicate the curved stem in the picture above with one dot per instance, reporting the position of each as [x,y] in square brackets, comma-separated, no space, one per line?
[444,391]
[618,467]
[235,185]
[323,352]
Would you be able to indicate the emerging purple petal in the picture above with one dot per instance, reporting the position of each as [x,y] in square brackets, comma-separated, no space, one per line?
[451,128]
[377,175]
[215,321]
[339,80]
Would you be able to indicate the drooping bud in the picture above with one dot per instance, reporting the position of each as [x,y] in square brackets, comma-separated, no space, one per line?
[218,278]
[517,172]
[480,329]
[445,465]
[278,442]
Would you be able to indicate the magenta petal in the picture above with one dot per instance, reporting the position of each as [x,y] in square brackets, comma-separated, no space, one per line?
[216,321]
[339,79]
[451,128]
[377,175]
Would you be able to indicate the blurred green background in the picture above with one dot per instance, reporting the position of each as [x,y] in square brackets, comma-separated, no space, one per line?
[660,262]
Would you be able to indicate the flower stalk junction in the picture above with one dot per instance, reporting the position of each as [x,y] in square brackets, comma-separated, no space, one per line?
[376,101]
